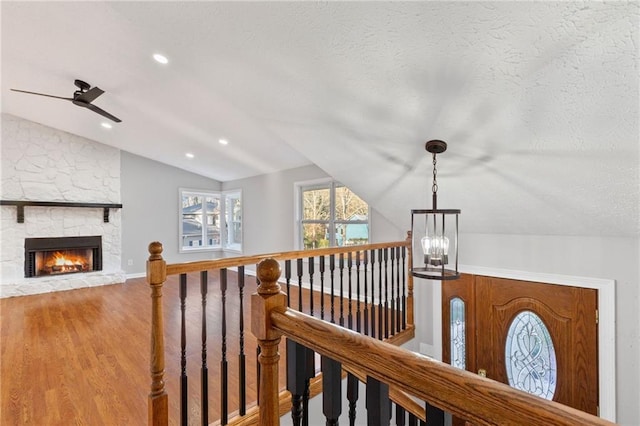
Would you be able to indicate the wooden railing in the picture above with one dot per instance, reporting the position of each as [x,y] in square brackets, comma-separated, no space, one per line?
[364,288]
[463,394]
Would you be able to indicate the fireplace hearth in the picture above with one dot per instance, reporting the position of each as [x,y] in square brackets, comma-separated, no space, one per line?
[62,255]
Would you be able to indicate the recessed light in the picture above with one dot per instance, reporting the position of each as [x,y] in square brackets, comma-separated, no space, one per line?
[223,141]
[106,125]
[189,155]
[160,58]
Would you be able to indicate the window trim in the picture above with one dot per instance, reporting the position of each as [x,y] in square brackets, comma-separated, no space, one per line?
[222,198]
[236,248]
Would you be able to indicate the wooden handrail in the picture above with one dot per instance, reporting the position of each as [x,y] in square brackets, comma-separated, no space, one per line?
[230,262]
[477,399]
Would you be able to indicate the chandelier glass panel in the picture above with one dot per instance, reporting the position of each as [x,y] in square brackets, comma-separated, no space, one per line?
[434,233]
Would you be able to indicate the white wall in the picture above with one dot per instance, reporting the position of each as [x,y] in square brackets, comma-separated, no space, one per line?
[150,210]
[268,211]
[592,257]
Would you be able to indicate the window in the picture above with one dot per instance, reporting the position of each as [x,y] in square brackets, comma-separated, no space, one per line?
[331,215]
[209,218]
[233,220]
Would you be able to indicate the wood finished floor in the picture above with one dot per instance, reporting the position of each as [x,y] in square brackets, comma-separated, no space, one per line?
[81,357]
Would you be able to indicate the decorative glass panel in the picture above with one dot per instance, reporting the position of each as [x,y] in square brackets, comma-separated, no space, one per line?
[458,341]
[530,357]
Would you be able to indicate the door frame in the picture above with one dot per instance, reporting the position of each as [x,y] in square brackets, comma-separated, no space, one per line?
[606,323]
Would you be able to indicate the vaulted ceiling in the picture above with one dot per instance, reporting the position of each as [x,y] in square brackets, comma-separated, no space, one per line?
[537,100]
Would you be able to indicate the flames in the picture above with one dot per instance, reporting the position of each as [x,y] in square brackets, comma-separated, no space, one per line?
[62,262]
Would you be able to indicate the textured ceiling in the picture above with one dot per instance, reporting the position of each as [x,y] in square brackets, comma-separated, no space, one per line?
[537,100]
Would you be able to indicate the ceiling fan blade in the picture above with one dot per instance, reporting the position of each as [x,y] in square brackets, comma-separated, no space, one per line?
[42,94]
[89,95]
[98,110]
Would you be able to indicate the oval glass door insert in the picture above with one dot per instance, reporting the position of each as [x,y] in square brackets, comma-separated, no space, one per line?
[530,357]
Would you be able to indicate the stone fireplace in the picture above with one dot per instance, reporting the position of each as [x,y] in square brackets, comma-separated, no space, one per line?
[40,163]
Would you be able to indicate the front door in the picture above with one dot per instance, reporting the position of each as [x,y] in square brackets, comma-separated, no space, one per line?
[540,338]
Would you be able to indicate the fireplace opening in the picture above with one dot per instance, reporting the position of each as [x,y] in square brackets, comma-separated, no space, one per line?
[64,255]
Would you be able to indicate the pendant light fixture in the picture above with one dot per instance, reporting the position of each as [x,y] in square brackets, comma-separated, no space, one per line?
[434,233]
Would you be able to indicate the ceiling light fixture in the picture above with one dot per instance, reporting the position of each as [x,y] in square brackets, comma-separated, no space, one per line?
[189,155]
[160,58]
[223,141]
[429,234]
[106,125]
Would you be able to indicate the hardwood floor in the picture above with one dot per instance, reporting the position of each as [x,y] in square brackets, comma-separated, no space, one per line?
[81,356]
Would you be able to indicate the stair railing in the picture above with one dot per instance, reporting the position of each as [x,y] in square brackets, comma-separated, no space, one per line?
[446,388]
[366,288]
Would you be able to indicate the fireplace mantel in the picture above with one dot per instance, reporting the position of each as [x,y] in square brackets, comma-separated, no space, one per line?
[21,205]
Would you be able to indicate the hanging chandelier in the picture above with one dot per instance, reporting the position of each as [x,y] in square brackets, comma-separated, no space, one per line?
[434,233]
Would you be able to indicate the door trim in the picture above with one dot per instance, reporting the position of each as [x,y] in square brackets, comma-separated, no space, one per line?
[606,324]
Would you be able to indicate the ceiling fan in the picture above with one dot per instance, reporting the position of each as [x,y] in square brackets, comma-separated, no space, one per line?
[82,97]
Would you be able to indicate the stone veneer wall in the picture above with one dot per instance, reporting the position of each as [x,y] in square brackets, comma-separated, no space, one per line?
[40,163]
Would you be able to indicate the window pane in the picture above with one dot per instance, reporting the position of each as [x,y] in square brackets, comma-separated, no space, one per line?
[315,235]
[213,221]
[316,204]
[530,357]
[352,234]
[233,211]
[191,220]
[349,206]
[458,337]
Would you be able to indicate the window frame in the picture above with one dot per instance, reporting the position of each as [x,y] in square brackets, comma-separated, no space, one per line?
[332,223]
[235,247]
[221,196]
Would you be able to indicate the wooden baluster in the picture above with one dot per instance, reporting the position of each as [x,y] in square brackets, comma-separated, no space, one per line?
[434,415]
[268,298]
[373,299]
[365,262]
[352,397]
[332,390]
[386,293]
[410,302]
[413,420]
[321,287]
[404,289]
[300,273]
[378,410]
[392,312]
[158,406]
[183,351]
[204,370]
[398,296]
[296,379]
[287,277]
[349,268]
[242,363]
[224,377]
[311,268]
[380,321]
[358,313]
[400,415]
[341,268]
[332,267]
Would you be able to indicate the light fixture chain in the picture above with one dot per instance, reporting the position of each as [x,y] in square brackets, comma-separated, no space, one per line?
[434,188]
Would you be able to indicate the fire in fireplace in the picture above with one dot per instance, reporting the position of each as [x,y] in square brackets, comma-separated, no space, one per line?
[65,255]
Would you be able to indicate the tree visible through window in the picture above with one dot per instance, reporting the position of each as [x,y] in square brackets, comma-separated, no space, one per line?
[332,215]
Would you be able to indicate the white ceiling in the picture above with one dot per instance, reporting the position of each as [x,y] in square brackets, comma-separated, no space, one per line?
[537,100]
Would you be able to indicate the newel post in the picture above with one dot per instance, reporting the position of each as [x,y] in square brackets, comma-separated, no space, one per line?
[268,298]
[156,276]
[410,301]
